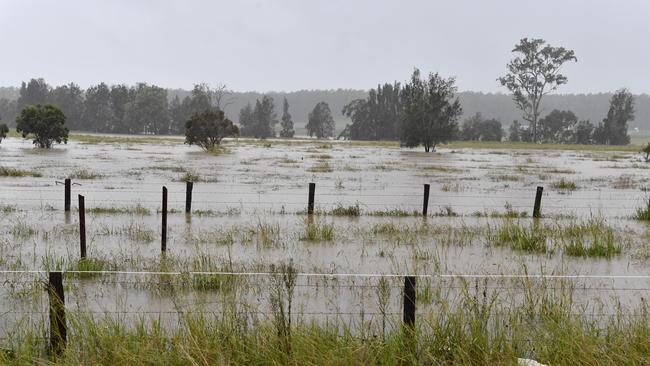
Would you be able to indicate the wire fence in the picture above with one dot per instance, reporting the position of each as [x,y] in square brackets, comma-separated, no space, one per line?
[292,198]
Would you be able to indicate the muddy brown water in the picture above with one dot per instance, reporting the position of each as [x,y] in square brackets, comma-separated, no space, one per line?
[255,186]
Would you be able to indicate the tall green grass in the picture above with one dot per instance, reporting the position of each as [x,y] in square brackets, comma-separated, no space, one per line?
[544,324]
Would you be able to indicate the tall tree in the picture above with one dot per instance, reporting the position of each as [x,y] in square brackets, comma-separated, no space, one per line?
[377,117]
[70,99]
[287,123]
[178,112]
[8,109]
[46,124]
[533,73]
[149,110]
[98,114]
[431,111]
[613,129]
[36,91]
[583,133]
[121,96]
[321,123]
[260,121]
[265,117]
[247,121]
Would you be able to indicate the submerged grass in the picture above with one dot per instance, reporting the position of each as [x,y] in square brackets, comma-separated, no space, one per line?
[643,212]
[475,330]
[133,210]
[84,174]
[528,239]
[15,172]
[564,185]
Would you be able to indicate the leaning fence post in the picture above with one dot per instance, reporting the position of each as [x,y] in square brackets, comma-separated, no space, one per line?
[58,328]
[188,196]
[538,202]
[82,226]
[409,302]
[310,203]
[66,204]
[425,202]
[163,241]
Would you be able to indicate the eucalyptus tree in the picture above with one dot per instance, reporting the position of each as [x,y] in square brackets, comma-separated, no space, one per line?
[534,73]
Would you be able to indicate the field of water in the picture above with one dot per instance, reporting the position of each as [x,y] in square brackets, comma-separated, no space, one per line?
[249,217]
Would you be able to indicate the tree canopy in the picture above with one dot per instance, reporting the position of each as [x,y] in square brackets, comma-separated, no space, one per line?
[533,73]
[4,130]
[206,129]
[45,123]
[258,122]
[613,129]
[480,129]
[321,123]
[431,111]
[286,124]
[378,116]
[558,127]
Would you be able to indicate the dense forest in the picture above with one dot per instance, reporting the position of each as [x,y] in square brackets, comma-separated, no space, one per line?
[118,99]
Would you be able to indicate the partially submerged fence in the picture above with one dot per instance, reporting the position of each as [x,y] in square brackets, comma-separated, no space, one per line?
[412,292]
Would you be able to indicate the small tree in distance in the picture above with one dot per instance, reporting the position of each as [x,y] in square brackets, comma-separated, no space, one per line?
[46,124]
[320,121]
[286,124]
[3,131]
[208,128]
[431,111]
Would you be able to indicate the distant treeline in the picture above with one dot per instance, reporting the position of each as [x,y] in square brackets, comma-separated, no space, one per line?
[145,108]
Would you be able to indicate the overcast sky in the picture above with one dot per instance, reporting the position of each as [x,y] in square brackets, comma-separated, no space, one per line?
[286,45]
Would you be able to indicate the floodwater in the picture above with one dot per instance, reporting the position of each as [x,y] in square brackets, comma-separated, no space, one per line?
[249,209]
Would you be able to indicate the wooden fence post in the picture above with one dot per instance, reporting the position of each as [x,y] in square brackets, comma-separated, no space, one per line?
[188,197]
[68,186]
[409,302]
[310,203]
[163,241]
[538,203]
[425,203]
[58,328]
[82,226]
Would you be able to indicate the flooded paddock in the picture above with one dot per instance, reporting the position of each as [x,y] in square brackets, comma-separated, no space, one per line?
[249,216]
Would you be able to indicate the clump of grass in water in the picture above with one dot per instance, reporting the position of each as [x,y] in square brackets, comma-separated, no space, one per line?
[7,208]
[208,281]
[643,212]
[340,210]
[395,212]
[529,239]
[135,210]
[321,168]
[14,172]
[84,175]
[192,177]
[92,265]
[446,211]
[317,231]
[564,185]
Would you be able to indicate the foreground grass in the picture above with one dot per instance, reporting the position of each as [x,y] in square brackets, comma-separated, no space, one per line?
[544,327]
